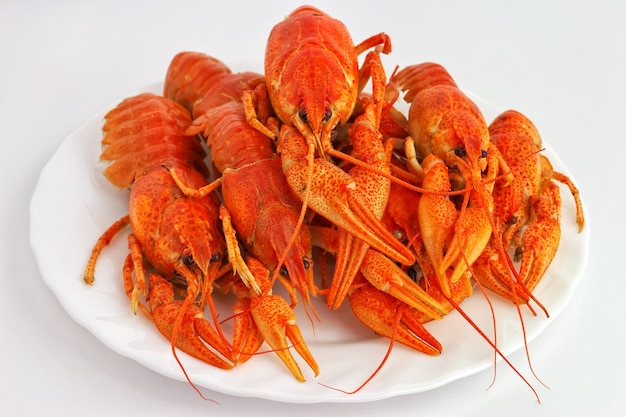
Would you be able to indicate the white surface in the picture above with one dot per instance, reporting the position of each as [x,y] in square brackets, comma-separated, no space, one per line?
[72,187]
[561,64]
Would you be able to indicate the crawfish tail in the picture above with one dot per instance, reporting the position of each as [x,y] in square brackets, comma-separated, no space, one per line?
[232,140]
[416,78]
[218,113]
[226,89]
[144,132]
[123,172]
[189,75]
[133,114]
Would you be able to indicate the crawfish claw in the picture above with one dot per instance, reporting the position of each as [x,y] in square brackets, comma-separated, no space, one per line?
[194,330]
[379,311]
[277,323]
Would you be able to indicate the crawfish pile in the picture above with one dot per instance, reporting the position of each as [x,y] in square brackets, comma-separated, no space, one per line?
[415,208]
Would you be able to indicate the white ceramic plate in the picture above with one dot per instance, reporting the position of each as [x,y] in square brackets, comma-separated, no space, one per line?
[73,204]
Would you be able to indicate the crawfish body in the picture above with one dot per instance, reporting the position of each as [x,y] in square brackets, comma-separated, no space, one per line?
[527,211]
[264,211]
[176,234]
[170,225]
[446,125]
[313,80]
[311,70]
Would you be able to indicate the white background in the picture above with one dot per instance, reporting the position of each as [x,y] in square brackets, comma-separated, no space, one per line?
[561,63]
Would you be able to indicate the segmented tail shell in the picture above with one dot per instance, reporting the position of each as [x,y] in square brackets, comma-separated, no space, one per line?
[416,78]
[145,132]
[190,75]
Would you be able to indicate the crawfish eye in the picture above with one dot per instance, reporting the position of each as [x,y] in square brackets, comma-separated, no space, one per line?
[460,152]
[216,257]
[283,271]
[306,263]
[398,234]
[328,113]
[483,153]
[302,114]
[187,259]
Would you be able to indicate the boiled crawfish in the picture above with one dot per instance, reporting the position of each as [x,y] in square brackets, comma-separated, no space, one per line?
[253,186]
[527,211]
[256,197]
[313,80]
[445,123]
[312,72]
[178,236]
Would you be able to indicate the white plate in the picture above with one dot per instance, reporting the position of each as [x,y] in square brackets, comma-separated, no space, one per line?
[73,204]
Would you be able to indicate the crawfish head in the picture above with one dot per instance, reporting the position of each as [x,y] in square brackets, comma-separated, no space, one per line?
[467,147]
[311,70]
[445,122]
[188,233]
[325,93]
[172,227]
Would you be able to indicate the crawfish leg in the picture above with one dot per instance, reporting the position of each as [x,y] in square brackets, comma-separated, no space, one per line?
[177,176]
[139,287]
[249,98]
[580,217]
[234,254]
[102,242]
